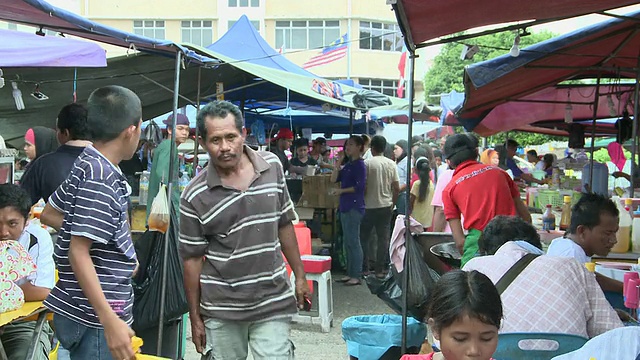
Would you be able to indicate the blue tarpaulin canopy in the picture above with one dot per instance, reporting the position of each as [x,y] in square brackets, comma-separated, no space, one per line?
[22,49]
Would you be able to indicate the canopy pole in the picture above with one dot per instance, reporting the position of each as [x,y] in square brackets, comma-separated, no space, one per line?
[350,122]
[593,132]
[195,142]
[172,167]
[634,146]
[407,222]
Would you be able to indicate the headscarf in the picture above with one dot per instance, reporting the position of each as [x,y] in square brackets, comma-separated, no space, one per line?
[616,153]
[45,140]
[486,156]
[405,147]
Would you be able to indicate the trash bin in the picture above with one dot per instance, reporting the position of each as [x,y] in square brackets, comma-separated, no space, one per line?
[379,337]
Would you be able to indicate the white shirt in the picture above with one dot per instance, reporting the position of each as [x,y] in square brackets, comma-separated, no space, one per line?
[621,344]
[41,254]
[564,247]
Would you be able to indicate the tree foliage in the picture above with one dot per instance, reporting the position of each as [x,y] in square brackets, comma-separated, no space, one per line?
[447,73]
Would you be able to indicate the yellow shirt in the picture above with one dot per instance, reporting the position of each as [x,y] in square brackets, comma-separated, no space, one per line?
[422,210]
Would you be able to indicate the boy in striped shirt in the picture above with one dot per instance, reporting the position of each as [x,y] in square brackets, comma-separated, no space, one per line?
[96,259]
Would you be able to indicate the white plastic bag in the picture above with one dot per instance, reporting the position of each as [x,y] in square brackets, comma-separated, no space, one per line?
[159,215]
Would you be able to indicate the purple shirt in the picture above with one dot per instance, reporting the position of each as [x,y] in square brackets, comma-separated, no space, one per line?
[353,174]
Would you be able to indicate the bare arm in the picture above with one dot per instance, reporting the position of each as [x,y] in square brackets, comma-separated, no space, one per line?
[395,190]
[412,200]
[289,245]
[521,209]
[458,233]
[439,221]
[51,217]
[192,271]
[609,284]
[34,293]
[117,332]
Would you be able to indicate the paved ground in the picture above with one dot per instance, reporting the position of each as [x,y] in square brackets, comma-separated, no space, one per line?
[310,342]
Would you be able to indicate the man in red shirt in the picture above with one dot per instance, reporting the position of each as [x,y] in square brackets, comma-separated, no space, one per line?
[478,192]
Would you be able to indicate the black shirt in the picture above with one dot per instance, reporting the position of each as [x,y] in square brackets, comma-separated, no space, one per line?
[310,161]
[282,156]
[47,172]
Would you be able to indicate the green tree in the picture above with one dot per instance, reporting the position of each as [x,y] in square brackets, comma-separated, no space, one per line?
[447,73]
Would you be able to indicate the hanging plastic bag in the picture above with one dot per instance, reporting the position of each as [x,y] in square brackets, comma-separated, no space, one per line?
[421,279]
[159,215]
[147,283]
[152,134]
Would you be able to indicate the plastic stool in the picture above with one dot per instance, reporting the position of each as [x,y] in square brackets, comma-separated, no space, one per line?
[318,269]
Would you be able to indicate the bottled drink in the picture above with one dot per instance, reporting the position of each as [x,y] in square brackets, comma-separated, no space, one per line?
[565,218]
[144,188]
[635,231]
[624,230]
[184,181]
[548,219]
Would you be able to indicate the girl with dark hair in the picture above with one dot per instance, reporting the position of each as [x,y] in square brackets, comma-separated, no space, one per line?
[352,178]
[400,154]
[464,314]
[422,194]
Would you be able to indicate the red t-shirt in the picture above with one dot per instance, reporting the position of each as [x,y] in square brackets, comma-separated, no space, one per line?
[480,193]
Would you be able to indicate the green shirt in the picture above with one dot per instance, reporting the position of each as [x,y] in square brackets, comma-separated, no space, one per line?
[160,171]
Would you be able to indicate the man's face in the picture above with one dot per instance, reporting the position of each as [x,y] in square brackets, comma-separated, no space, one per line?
[11,223]
[397,151]
[285,144]
[223,142]
[182,133]
[511,151]
[531,158]
[601,238]
[302,151]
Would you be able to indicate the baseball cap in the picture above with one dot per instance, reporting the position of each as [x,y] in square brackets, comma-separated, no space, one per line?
[182,120]
[284,133]
[320,140]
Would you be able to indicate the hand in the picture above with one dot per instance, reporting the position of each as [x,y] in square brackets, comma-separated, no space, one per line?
[624,316]
[118,335]
[135,271]
[460,246]
[198,335]
[302,290]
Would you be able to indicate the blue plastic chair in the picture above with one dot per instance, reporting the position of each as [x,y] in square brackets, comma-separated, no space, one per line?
[510,345]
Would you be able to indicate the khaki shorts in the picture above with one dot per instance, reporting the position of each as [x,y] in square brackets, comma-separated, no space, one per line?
[228,340]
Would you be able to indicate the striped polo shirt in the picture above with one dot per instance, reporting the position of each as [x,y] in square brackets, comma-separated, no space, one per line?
[94,201]
[243,276]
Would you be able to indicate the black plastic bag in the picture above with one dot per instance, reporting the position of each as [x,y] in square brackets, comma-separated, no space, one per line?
[367,99]
[421,280]
[147,283]
[152,134]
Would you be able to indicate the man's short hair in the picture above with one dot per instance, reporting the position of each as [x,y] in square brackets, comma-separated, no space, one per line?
[14,196]
[532,153]
[512,144]
[301,142]
[587,211]
[218,109]
[503,229]
[378,144]
[73,118]
[460,148]
[111,110]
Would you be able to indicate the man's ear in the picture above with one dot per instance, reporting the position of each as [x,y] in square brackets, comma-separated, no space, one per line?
[434,330]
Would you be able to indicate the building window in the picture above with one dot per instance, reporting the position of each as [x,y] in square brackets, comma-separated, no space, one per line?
[244,3]
[380,36]
[303,34]
[255,23]
[198,32]
[149,28]
[387,87]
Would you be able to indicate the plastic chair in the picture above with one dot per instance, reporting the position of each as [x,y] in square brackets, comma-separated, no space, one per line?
[537,346]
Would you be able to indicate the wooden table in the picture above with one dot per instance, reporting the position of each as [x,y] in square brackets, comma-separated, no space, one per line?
[29,309]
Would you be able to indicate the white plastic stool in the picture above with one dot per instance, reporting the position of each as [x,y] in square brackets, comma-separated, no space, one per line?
[325,302]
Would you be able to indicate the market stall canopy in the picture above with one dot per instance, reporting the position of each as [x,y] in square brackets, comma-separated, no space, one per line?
[150,77]
[22,49]
[422,20]
[548,108]
[609,48]
[39,13]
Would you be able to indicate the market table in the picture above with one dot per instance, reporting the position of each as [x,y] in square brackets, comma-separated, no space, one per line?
[29,309]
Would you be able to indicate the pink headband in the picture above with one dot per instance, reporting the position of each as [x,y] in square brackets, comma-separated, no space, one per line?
[30,137]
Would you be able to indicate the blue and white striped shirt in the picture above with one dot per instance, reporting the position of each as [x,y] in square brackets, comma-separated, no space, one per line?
[94,201]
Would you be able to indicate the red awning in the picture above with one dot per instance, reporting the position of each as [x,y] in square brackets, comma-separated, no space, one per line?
[422,20]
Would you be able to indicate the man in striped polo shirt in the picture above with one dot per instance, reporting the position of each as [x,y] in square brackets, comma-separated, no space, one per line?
[93,299]
[235,223]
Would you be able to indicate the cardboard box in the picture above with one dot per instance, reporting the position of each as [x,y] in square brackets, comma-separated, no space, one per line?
[315,192]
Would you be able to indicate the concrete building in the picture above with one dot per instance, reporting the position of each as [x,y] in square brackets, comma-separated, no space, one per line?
[299,28]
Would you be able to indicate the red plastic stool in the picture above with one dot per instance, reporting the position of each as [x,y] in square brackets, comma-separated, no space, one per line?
[318,269]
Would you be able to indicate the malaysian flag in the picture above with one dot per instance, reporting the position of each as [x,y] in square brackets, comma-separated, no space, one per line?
[335,51]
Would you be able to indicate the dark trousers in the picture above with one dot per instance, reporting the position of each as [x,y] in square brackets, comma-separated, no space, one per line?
[380,220]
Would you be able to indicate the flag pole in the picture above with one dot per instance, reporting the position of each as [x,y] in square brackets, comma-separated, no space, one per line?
[349,15]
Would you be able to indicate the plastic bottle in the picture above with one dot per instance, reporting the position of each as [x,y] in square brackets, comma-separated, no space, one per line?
[184,181]
[555,178]
[144,188]
[624,231]
[549,220]
[635,232]
[565,218]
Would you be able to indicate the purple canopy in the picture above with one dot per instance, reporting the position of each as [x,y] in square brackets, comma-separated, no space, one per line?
[22,49]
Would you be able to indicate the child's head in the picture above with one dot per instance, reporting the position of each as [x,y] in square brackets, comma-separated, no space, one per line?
[14,211]
[302,148]
[115,113]
[464,314]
